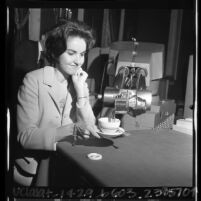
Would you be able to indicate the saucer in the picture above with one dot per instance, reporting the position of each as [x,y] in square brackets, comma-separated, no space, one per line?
[118,132]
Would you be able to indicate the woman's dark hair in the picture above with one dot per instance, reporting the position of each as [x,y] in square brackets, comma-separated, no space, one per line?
[56,39]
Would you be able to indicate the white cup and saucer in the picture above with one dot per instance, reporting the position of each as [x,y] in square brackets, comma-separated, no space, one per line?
[110,127]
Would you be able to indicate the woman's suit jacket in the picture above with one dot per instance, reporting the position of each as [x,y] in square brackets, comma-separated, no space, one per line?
[39,116]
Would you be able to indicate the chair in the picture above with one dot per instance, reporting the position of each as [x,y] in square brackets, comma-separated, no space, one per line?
[97,60]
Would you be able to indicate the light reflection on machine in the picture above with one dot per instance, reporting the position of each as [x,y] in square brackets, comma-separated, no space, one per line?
[129,101]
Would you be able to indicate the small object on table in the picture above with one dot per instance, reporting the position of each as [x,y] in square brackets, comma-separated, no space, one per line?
[120,131]
[94,156]
[184,126]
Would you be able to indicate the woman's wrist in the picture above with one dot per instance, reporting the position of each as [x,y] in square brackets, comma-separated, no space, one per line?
[81,102]
[80,93]
[81,97]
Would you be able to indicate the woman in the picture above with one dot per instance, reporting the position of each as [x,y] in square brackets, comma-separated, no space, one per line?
[54,100]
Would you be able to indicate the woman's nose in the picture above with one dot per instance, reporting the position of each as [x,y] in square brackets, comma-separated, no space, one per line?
[78,60]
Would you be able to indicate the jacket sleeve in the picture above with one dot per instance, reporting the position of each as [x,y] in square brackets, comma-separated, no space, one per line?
[30,135]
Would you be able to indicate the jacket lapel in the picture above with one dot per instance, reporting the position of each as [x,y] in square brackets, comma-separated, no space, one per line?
[49,79]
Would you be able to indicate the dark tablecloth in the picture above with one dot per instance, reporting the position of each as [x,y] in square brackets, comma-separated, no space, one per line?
[145,158]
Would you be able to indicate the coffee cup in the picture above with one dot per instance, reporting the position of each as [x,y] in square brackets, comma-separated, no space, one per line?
[107,125]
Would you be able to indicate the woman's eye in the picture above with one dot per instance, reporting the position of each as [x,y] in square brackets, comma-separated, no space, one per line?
[71,53]
[74,54]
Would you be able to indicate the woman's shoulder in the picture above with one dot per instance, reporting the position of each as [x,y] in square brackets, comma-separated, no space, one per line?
[42,75]
[39,73]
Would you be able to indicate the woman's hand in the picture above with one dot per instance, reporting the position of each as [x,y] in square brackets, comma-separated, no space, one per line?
[85,129]
[79,82]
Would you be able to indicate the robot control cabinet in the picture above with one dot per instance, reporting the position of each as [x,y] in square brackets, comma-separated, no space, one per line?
[130,98]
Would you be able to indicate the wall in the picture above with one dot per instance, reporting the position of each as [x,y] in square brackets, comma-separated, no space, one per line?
[94,18]
[147,25]
[187,47]
[34,24]
[47,19]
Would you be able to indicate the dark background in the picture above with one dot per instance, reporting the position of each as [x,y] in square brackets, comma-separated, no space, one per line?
[146,25]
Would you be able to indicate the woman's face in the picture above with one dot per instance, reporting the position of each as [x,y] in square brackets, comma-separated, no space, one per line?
[73,58]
